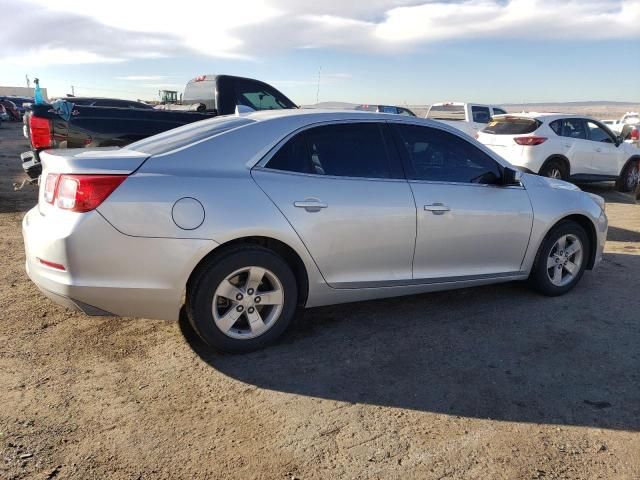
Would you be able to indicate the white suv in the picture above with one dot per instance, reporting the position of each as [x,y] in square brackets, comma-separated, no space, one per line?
[563,146]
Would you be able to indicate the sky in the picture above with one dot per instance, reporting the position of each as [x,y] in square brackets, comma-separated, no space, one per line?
[400,52]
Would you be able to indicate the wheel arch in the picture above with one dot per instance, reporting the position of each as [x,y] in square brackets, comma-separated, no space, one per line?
[288,254]
[586,223]
[561,158]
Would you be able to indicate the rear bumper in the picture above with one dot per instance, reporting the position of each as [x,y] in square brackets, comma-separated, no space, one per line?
[106,272]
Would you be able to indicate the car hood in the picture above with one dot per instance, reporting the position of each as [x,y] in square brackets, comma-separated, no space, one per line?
[530,180]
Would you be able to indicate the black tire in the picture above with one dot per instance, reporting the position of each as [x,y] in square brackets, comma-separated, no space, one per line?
[539,278]
[625,183]
[552,166]
[200,294]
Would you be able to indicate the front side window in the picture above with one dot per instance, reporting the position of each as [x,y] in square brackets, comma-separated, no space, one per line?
[598,134]
[344,150]
[436,155]
[573,128]
[480,114]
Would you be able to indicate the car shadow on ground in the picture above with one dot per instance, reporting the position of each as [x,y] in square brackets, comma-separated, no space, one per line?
[499,352]
[608,192]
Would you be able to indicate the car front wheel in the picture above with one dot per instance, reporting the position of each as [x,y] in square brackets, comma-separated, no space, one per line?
[629,177]
[243,300]
[561,259]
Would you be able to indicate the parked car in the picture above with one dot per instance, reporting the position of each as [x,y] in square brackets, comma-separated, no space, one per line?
[4,116]
[628,127]
[11,110]
[249,217]
[467,117]
[563,146]
[113,122]
[386,109]
[18,101]
[107,102]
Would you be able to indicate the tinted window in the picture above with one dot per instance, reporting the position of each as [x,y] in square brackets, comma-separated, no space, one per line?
[259,96]
[499,111]
[406,112]
[511,126]
[573,128]
[480,114]
[347,150]
[598,134]
[436,155]
[387,109]
[556,126]
[446,112]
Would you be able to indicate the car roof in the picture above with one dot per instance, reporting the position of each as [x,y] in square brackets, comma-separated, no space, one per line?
[547,116]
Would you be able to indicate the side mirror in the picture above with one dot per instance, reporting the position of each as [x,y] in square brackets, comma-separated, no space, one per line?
[619,140]
[511,176]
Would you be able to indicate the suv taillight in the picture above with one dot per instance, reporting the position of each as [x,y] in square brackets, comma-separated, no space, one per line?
[530,141]
[80,193]
[40,132]
[635,133]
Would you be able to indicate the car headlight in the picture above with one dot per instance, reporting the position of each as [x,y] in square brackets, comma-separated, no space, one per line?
[598,200]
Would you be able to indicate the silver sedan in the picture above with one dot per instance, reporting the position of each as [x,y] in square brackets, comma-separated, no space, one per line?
[243,219]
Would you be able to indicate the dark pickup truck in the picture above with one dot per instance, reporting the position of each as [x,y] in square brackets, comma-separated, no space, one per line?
[67,124]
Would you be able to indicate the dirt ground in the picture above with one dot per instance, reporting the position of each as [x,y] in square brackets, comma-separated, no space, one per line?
[489,383]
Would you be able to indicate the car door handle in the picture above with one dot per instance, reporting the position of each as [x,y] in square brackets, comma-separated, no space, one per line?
[598,149]
[568,145]
[437,208]
[310,204]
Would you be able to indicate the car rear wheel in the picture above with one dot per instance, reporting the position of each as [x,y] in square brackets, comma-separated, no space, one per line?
[555,169]
[561,259]
[629,177]
[243,300]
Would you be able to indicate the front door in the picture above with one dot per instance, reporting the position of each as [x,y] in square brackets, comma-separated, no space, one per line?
[469,226]
[605,155]
[344,196]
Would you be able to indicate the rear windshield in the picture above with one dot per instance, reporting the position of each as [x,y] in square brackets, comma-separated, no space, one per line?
[202,91]
[511,126]
[186,135]
[446,112]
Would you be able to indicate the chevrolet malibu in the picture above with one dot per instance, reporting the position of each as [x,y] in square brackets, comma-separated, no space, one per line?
[243,219]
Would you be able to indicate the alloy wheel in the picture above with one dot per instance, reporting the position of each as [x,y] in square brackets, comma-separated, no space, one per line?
[565,260]
[248,302]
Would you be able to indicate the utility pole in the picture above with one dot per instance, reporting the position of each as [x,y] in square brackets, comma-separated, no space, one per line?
[28,81]
[73,92]
[318,90]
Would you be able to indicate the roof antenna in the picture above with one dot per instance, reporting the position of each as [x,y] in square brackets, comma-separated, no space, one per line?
[318,90]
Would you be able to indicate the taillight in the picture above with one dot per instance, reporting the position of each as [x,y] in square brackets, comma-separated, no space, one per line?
[530,141]
[80,193]
[635,134]
[40,132]
[50,185]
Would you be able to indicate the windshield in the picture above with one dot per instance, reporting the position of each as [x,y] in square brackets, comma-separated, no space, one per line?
[446,112]
[187,134]
[511,126]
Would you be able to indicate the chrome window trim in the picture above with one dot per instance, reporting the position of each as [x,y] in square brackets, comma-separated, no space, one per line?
[488,185]
[328,177]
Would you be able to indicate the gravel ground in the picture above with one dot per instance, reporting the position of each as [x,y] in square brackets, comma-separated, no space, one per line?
[491,382]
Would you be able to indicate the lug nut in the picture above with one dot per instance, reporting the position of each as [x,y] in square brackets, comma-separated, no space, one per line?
[250,291]
[251,310]
[239,297]
[239,308]
[257,300]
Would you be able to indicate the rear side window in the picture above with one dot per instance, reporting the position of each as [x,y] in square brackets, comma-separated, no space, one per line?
[480,114]
[406,112]
[498,111]
[446,112]
[511,126]
[345,150]
[573,128]
[435,155]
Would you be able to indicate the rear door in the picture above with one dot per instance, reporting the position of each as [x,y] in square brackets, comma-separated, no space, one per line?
[342,189]
[469,226]
[574,144]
